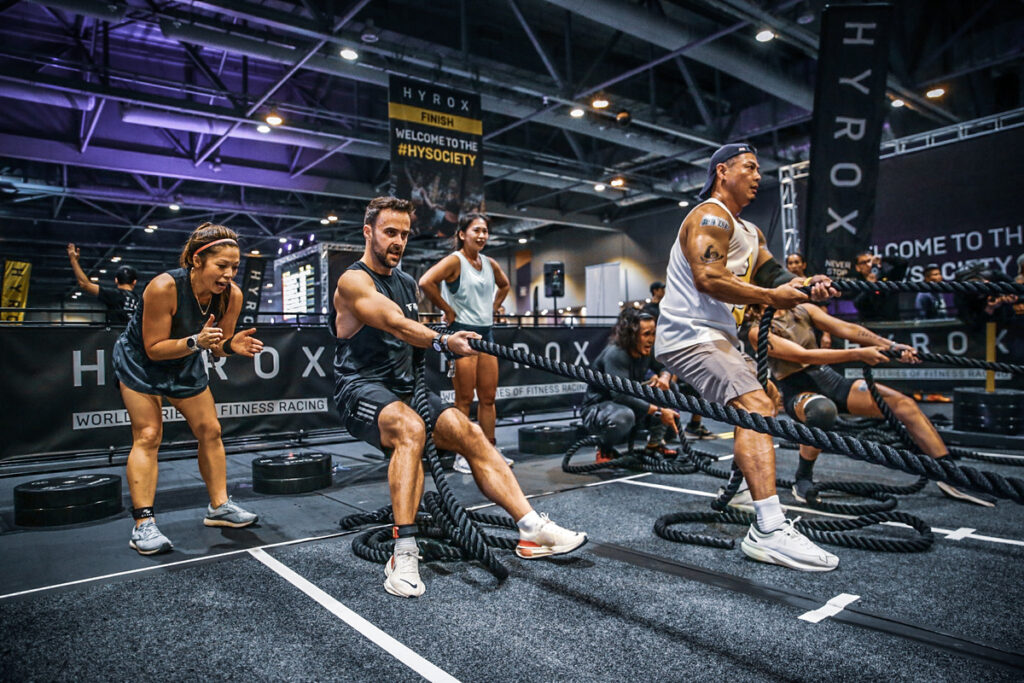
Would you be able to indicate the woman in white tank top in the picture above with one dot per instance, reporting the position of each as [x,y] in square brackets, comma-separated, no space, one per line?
[468,288]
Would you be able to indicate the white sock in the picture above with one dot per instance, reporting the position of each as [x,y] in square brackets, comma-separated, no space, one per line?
[530,523]
[406,544]
[769,514]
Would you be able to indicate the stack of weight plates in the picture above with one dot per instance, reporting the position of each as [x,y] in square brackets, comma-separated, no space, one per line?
[67,500]
[999,412]
[292,473]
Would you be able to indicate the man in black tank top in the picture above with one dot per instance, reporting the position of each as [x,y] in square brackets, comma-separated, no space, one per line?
[377,330]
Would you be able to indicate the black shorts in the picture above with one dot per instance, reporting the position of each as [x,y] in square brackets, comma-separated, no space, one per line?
[486,331]
[816,379]
[360,410]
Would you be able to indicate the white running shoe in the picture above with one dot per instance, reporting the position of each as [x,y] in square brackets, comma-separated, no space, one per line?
[461,465]
[403,575]
[549,539]
[788,547]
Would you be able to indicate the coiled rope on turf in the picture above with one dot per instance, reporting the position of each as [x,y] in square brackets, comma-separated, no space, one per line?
[644,462]
[454,534]
[1011,488]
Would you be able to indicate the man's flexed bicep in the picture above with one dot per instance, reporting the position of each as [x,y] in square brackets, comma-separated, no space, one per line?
[704,240]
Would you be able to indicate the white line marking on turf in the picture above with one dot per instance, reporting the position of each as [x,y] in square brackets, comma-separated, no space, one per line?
[796,508]
[402,653]
[165,565]
[1003,455]
[830,608]
[961,533]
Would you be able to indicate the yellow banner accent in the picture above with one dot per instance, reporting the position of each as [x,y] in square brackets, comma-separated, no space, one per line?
[429,117]
[16,274]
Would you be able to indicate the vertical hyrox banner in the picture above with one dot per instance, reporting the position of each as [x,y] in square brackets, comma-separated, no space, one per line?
[436,161]
[848,114]
[252,280]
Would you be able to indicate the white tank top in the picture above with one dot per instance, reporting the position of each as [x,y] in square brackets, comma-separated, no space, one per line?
[473,298]
[689,317]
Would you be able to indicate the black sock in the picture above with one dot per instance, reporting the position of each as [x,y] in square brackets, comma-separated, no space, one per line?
[805,469]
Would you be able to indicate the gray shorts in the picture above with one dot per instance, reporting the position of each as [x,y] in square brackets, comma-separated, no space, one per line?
[717,370]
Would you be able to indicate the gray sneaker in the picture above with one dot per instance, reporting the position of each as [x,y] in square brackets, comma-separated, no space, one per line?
[229,514]
[147,539]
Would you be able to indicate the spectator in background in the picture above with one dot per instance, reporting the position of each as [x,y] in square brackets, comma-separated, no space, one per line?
[121,301]
[1020,270]
[931,304]
[694,428]
[877,305]
[653,308]
[797,264]
[977,309]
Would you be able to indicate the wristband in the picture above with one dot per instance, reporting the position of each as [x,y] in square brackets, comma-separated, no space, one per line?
[226,346]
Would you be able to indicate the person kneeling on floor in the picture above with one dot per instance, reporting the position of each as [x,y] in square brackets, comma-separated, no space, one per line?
[376,328]
[815,394]
[612,415]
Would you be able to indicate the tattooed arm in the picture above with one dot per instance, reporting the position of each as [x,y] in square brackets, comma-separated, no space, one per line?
[704,239]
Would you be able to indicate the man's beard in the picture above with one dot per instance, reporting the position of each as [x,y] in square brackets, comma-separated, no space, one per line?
[381,255]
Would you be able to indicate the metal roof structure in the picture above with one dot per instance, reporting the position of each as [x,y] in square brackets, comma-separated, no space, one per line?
[115,110]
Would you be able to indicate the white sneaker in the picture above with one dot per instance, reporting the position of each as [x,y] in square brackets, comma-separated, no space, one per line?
[549,539]
[403,575]
[742,496]
[461,465]
[788,547]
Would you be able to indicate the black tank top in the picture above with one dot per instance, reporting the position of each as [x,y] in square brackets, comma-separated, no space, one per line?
[186,321]
[371,355]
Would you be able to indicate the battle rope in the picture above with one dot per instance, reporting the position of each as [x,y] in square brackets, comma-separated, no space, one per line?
[1011,488]
[644,462]
[962,362]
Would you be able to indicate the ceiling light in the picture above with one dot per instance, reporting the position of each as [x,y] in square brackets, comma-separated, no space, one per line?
[94,278]
[148,229]
[302,243]
[898,103]
[370,33]
[348,54]
[683,203]
[103,271]
[805,18]
[623,118]
[599,187]
[282,240]
[263,128]
[324,221]
[764,35]
[522,240]
[576,112]
[174,207]
[279,250]
[312,237]
[332,218]
[115,259]
[254,252]
[273,118]
[600,102]
[935,93]
[617,182]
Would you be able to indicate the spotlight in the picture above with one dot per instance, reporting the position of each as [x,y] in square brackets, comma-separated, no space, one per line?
[599,187]
[600,102]
[349,55]
[279,251]
[683,203]
[94,278]
[254,252]
[370,33]
[302,243]
[897,103]
[103,271]
[263,128]
[282,240]
[935,93]
[148,229]
[324,221]
[273,118]
[115,259]
[576,112]
[623,118]
[764,35]
[617,182]
[523,240]
[174,207]
[333,218]
[152,227]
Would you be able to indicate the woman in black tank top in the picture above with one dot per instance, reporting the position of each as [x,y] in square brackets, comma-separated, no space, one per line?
[183,313]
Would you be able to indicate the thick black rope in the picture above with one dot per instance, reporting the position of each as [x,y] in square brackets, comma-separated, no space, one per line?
[1011,488]
[644,462]
[962,362]
[946,287]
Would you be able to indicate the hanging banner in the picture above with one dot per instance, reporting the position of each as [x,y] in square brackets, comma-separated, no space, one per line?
[436,153]
[252,282]
[15,295]
[849,100]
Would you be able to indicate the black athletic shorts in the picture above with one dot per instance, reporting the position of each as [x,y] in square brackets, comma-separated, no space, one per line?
[360,410]
[815,379]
